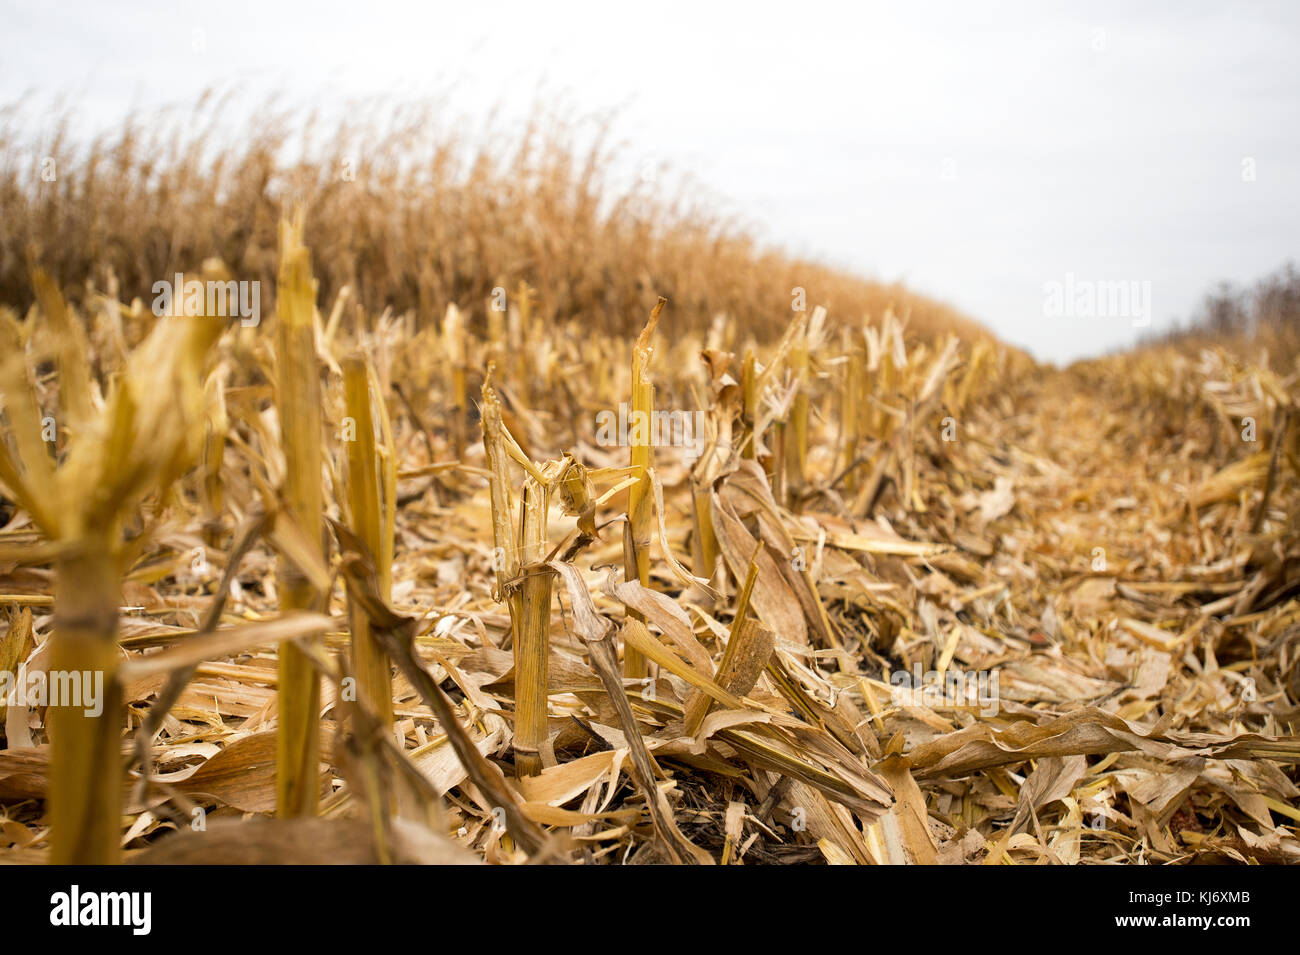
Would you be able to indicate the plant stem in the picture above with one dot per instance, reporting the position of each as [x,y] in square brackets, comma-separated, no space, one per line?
[369,660]
[298,699]
[636,537]
[86,750]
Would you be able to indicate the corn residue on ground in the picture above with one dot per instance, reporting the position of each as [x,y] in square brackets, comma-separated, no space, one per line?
[497,584]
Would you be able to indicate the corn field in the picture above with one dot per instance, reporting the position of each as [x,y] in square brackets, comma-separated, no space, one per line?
[465,512]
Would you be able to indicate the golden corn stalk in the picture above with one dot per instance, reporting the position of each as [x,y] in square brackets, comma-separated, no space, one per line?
[370,661]
[637,531]
[523,579]
[299,405]
[795,432]
[453,337]
[119,450]
[749,411]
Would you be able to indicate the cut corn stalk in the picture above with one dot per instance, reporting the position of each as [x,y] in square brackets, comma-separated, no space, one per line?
[135,446]
[369,660]
[637,532]
[523,579]
[298,691]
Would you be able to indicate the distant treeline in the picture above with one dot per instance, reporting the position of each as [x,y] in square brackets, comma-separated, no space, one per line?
[1269,307]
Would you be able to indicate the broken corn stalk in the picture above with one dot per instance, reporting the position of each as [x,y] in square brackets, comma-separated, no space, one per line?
[637,531]
[523,579]
[135,446]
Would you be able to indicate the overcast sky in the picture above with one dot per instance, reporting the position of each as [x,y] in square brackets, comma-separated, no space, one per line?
[978,152]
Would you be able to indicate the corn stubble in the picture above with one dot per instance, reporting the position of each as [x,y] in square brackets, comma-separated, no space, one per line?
[876,491]
[119,449]
[299,404]
[636,532]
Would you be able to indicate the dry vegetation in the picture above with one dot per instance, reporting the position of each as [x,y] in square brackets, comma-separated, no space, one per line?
[429,217]
[368,567]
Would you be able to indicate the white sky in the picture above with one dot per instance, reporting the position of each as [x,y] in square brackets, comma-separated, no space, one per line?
[974,151]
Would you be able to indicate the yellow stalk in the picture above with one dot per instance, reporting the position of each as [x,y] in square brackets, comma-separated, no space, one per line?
[150,432]
[704,542]
[523,579]
[369,661]
[86,757]
[778,463]
[521,336]
[505,558]
[298,700]
[796,447]
[637,532]
[749,391]
[214,449]
[387,453]
[739,643]
[855,372]
[453,335]
[531,613]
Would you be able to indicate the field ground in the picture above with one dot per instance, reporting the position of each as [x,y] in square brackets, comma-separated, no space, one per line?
[918,599]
